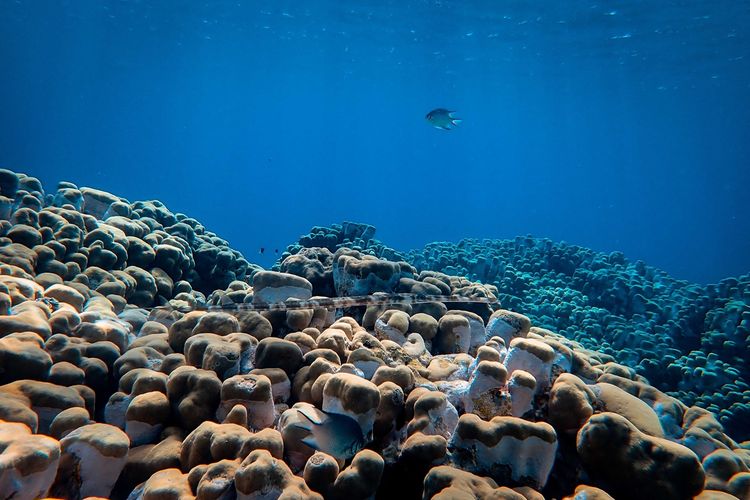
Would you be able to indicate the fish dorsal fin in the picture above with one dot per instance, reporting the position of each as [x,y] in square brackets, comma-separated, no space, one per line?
[304,426]
[305,412]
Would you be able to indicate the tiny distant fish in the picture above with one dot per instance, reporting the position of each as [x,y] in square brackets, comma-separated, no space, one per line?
[338,435]
[262,250]
[442,119]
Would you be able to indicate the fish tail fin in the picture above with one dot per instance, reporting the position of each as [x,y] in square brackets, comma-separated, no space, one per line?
[311,442]
[456,121]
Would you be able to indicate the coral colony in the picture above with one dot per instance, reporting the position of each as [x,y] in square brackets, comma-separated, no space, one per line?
[142,357]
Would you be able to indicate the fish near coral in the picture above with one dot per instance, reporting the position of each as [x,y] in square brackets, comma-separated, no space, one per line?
[442,119]
[337,435]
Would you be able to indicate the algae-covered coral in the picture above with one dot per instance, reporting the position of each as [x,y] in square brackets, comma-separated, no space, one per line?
[116,384]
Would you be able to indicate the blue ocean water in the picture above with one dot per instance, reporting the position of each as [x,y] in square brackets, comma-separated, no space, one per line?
[617,125]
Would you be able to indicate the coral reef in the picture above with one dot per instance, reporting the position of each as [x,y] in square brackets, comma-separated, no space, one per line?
[688,340]
[114,383]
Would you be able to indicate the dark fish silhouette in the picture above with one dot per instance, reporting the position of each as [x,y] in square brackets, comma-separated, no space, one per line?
[338,435]
[262,249]
[442,119]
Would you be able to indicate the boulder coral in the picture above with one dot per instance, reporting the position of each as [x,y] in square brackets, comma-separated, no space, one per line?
[28,462]
[505,448]
[689,340]
[615,452]
[142,357]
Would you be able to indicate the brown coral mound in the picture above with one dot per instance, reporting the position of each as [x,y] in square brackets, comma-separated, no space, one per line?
[114,383]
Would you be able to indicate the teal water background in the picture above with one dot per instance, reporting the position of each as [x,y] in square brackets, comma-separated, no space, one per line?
[617,125]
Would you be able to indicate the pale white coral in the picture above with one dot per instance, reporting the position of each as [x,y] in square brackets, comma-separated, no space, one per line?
[28,462]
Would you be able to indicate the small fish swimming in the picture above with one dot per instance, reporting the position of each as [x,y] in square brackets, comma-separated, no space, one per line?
[338,435]
[442,119]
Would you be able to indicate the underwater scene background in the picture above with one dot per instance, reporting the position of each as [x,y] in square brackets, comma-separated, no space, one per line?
[545,292]
[616,125]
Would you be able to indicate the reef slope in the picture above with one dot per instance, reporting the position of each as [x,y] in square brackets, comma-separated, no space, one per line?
[115,382]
